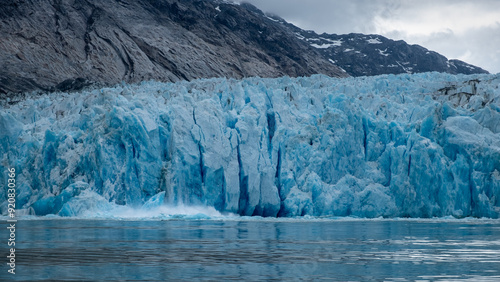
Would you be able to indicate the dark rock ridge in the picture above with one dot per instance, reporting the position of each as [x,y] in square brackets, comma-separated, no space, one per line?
[65,45]
[361,54]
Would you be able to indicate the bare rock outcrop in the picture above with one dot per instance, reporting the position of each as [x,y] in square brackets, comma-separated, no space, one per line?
[67,44]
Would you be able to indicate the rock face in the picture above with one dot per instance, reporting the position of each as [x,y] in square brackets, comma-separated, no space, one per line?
[55,44]
[67,45]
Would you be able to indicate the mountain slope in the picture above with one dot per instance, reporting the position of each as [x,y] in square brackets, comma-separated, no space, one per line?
[49,44]
[361,54]
[67,45]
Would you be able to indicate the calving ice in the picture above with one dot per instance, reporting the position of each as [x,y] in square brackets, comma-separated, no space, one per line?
[420,145]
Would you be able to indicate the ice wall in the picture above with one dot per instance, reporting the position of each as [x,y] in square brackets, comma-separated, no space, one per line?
[419,145]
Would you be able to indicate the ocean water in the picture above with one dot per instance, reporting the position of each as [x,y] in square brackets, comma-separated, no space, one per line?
[243,248]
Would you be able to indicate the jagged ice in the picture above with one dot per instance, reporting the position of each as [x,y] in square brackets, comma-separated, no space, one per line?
[422,145]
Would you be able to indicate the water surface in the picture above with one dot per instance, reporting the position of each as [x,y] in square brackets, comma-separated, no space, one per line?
[256,249]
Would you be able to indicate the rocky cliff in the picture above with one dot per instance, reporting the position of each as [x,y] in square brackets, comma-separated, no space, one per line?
[67,45]
[64,44]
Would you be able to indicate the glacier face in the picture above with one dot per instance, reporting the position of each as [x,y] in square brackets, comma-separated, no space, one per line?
[419,145]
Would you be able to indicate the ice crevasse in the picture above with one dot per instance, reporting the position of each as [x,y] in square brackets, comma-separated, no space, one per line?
[422,145]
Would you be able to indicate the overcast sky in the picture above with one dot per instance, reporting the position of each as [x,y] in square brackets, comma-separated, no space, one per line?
[458,29]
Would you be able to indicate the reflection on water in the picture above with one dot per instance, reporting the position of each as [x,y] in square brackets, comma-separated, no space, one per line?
[391,250]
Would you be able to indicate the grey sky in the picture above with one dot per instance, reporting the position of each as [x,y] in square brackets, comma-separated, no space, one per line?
[458,29]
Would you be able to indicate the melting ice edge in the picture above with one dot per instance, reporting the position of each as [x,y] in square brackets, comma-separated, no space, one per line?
[421,145]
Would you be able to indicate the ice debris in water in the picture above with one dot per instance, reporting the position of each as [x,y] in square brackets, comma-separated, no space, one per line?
[421,145]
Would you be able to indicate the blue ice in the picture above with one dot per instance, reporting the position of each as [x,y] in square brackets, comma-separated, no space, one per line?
[421,145]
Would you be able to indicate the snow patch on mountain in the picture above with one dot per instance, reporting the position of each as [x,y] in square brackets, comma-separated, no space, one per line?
[325,45]
[383,53]
[374,41]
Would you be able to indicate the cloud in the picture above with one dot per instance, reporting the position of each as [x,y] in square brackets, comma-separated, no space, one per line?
[463,29]
[426,17]
[324,15]
[478,46]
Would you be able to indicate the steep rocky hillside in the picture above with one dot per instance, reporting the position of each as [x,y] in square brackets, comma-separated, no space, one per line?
[362,54]
[63,44]
[67,45]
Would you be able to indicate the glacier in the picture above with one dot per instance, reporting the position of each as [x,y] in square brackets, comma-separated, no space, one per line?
[421,145]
